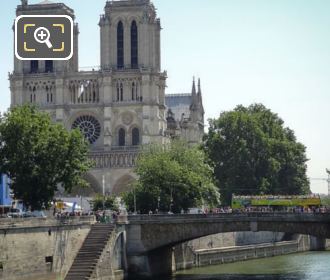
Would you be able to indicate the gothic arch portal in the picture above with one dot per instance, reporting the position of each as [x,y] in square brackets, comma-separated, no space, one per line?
[93,188]
[123,184]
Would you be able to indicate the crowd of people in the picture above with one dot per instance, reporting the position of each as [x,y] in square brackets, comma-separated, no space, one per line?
[106,216]
[274,197]
[248,209]
[111,216]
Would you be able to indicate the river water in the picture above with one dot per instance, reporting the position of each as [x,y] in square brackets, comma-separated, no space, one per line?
[303,266]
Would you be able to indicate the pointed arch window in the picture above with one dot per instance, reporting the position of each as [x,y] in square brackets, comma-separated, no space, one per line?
[118,92]
[121,137]
[134,45]
[121,92]
[137,91]
[94,96]
[135,136]
[133,91]
[49,66]
[34,66]
[34,94]
[120,45]
[47,92]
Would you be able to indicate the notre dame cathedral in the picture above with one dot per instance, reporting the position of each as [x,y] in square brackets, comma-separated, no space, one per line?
[119,106]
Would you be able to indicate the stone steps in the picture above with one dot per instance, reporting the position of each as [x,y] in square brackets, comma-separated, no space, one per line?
[90,251]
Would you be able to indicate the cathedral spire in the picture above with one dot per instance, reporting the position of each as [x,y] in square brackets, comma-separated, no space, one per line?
[194,98]
[199,96]
[199,92]
[193,90]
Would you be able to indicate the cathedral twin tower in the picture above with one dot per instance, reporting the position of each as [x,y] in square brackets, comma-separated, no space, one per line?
[119,106]
[130,36]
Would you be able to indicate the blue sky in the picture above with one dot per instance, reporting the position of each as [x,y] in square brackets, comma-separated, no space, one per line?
[276,52]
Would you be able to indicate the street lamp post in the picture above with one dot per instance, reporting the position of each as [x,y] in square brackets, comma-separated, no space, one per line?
[171,202]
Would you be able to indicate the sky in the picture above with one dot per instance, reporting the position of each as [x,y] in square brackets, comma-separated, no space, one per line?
[275,52]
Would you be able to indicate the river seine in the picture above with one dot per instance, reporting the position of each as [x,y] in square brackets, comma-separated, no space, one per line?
[304,266]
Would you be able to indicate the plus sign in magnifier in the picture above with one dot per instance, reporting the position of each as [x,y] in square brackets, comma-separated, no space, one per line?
[42,35]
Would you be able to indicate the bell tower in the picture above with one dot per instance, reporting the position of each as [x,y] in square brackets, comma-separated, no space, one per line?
[41,81]
[130,51]
[130,35]
[47,66]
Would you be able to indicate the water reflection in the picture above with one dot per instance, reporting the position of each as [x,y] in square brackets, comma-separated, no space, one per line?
[240,277]
[304,266]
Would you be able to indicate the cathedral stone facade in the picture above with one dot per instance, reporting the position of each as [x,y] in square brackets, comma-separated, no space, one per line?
[119,106]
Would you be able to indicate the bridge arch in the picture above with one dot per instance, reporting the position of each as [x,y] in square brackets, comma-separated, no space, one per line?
[169,230]
[152,237]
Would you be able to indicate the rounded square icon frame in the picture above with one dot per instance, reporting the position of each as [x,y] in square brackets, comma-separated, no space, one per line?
[44,16]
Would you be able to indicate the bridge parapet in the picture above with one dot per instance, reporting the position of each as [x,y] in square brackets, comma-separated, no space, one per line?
[251,216]
[20,223]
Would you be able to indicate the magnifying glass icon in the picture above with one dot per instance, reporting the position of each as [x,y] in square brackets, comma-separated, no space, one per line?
[41,35]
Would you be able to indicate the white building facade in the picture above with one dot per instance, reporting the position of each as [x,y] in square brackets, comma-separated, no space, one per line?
[121,105]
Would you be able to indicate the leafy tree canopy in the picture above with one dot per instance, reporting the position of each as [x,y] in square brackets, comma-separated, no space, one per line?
[253,153]
[109,203]
[38,155]
[325,200]
[172,177]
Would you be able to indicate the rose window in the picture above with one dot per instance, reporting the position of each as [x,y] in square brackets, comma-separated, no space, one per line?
[89,127]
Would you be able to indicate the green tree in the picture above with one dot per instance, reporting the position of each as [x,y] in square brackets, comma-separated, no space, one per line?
[109,203]
[253,153]
[325,200]
[172,177]
[38,155]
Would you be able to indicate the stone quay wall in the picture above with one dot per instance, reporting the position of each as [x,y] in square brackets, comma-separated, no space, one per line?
[34,247]
[185,254]
[237,246]
[246,252]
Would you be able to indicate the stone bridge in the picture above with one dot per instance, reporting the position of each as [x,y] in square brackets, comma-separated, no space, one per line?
[150,238]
